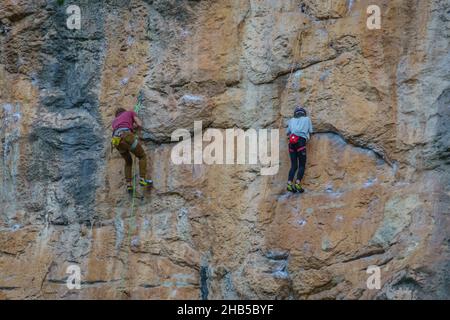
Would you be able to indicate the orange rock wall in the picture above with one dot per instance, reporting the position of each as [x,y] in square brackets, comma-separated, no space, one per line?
[377,175]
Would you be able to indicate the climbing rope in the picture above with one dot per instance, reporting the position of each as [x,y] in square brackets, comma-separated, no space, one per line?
[289,81]
[295,57]
[285,93]
[132,228]
[137,108]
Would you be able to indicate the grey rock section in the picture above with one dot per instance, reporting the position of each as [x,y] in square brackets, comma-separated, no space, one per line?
[67,140]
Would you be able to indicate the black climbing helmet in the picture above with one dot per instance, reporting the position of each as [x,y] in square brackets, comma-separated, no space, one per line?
[299,112]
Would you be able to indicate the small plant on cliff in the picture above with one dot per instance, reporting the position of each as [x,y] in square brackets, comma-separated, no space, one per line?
[60,2]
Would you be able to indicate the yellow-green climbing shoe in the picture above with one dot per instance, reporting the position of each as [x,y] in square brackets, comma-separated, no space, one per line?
[145,182]
[299,188]
[291,188]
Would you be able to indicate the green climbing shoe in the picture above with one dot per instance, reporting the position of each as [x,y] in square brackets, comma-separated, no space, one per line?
[145,182]
[129,188]
[299,188]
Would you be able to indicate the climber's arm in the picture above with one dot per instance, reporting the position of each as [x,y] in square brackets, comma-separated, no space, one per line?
[137,122]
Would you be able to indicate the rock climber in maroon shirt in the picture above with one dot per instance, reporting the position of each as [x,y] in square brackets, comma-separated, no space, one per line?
[126,142]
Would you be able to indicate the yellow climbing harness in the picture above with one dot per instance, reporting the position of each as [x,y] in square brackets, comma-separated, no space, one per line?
[115,141]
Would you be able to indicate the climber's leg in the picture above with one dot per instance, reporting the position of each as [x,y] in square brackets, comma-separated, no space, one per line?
[301,165]
[140,153]
[301,155]
[294,166]
[128,168]
[292,171]
[124,150]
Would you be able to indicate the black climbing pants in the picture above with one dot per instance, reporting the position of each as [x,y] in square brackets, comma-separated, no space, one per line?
[297,153]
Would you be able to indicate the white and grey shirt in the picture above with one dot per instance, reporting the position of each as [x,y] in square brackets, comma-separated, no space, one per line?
[301,127]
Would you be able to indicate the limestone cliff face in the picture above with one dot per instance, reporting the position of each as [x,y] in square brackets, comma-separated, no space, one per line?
[377,179]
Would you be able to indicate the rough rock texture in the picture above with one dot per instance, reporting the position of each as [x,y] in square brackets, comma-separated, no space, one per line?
[377,180]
